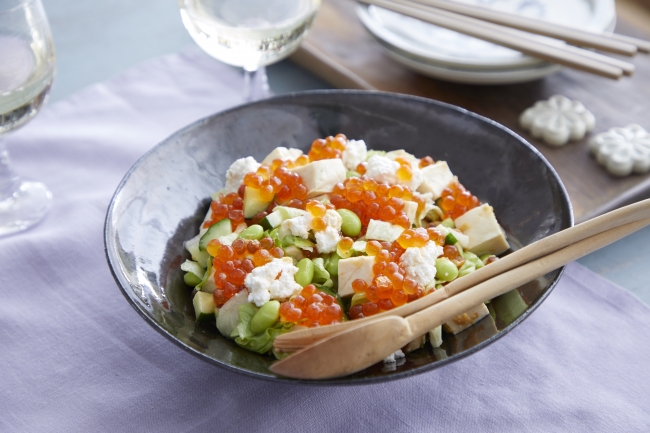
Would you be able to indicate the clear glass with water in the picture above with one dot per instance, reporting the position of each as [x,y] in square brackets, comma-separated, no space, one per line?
[249,33]
[27,65]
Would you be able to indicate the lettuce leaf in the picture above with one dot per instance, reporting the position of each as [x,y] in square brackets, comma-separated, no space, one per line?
[261,343]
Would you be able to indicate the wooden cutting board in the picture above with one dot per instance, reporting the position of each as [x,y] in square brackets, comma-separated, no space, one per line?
[340,51]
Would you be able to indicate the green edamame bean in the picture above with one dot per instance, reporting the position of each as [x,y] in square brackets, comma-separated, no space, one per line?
[265,317]
[333,264]
[253,232]
[445,270]
[305,272]
[351,225]
[191,279]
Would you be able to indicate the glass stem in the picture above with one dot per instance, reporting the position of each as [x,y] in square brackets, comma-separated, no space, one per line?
[8,178]
[256,84]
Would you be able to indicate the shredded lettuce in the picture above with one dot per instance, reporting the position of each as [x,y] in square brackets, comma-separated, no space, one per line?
[261,343]
[320,274]
[472,263]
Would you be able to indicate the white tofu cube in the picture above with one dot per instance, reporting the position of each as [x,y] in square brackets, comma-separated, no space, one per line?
[320,176]
[383,231]
[485,234]
[411,210]
[466,320]
[282,153]
[436,177]
[354,268]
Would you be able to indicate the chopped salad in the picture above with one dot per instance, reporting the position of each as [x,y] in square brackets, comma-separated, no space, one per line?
[340,233]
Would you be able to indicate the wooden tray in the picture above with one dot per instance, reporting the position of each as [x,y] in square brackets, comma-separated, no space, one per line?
[342,52]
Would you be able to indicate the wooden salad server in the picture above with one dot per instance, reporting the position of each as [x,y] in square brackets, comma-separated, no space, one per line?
[360,347]
[296,340]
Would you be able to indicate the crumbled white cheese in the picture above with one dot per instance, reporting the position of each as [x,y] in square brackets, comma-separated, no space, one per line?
[274,280]
[420,263]
[298,226]
[382,169]
[394,356]
[237,171]
[328,238]
[354,154]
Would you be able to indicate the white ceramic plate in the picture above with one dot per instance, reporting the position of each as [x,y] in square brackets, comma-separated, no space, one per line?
[471,76]
[451,49]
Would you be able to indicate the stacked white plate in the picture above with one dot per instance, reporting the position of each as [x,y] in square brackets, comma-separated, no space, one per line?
[451,56]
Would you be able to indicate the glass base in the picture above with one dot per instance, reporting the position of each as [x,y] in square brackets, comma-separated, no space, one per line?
[26,207]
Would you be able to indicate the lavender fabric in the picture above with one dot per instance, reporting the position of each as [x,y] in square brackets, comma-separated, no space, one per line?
[74,356]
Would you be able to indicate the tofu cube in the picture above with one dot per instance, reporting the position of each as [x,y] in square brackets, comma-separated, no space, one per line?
[466,320]
[383,231]
[411,210]
[320,176]
[485,234]
[436,177]
[354,268]
[281,153]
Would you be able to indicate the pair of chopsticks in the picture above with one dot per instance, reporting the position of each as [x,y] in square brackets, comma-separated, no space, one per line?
[337,350]
[514,31]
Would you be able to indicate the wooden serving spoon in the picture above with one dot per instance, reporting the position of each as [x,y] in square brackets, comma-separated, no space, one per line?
[360,347]
[294,341]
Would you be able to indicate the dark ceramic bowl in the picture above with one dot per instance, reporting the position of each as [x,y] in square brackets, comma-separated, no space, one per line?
[161,202]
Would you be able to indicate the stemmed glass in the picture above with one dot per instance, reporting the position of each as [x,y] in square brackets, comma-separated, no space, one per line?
[249,33]
[26,74]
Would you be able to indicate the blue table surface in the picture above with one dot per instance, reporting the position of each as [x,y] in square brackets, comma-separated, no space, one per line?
[97,39]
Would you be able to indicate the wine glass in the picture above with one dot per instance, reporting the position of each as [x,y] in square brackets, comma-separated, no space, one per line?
[26,74]
[249,33]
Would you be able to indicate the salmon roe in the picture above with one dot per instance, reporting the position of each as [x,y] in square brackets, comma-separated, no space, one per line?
[372,200]
[311,308]
[228,206]
[232,263]
[328,148]
[455,200]
[277,181]
[390,286]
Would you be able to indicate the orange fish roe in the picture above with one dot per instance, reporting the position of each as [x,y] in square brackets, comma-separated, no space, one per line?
[390,286]
[456,200]
[311,308]
[228,206]
[328,148]
[371,200]
[233,262]
[276,181]
[404,172]
[427,160]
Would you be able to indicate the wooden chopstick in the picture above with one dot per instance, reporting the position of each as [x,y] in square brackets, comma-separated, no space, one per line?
[628,214]
[504,36]
[510,38]
[627,46]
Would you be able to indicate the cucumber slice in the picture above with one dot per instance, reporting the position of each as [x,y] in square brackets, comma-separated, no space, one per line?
[216,230]
[272,220]
[253,203]
[203,307]
[201,257]
[450,239]
[194,268]
[228,317]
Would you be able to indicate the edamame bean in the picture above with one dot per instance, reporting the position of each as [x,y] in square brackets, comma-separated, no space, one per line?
[305,272]
[265,317]
[333,264]
[351,225]
[191,279]
[253,232]
[445,269]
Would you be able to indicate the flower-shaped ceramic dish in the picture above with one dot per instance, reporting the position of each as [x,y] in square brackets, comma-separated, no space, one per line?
[623,150]
[163,198]
[558,120]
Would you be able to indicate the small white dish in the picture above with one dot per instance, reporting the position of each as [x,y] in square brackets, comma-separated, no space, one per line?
[623,151]
[471,76]
[451,49]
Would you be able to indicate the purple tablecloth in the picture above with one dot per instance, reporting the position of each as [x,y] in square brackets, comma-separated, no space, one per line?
[74,356]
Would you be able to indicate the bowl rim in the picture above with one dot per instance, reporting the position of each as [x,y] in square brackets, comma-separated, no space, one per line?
[124,285]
